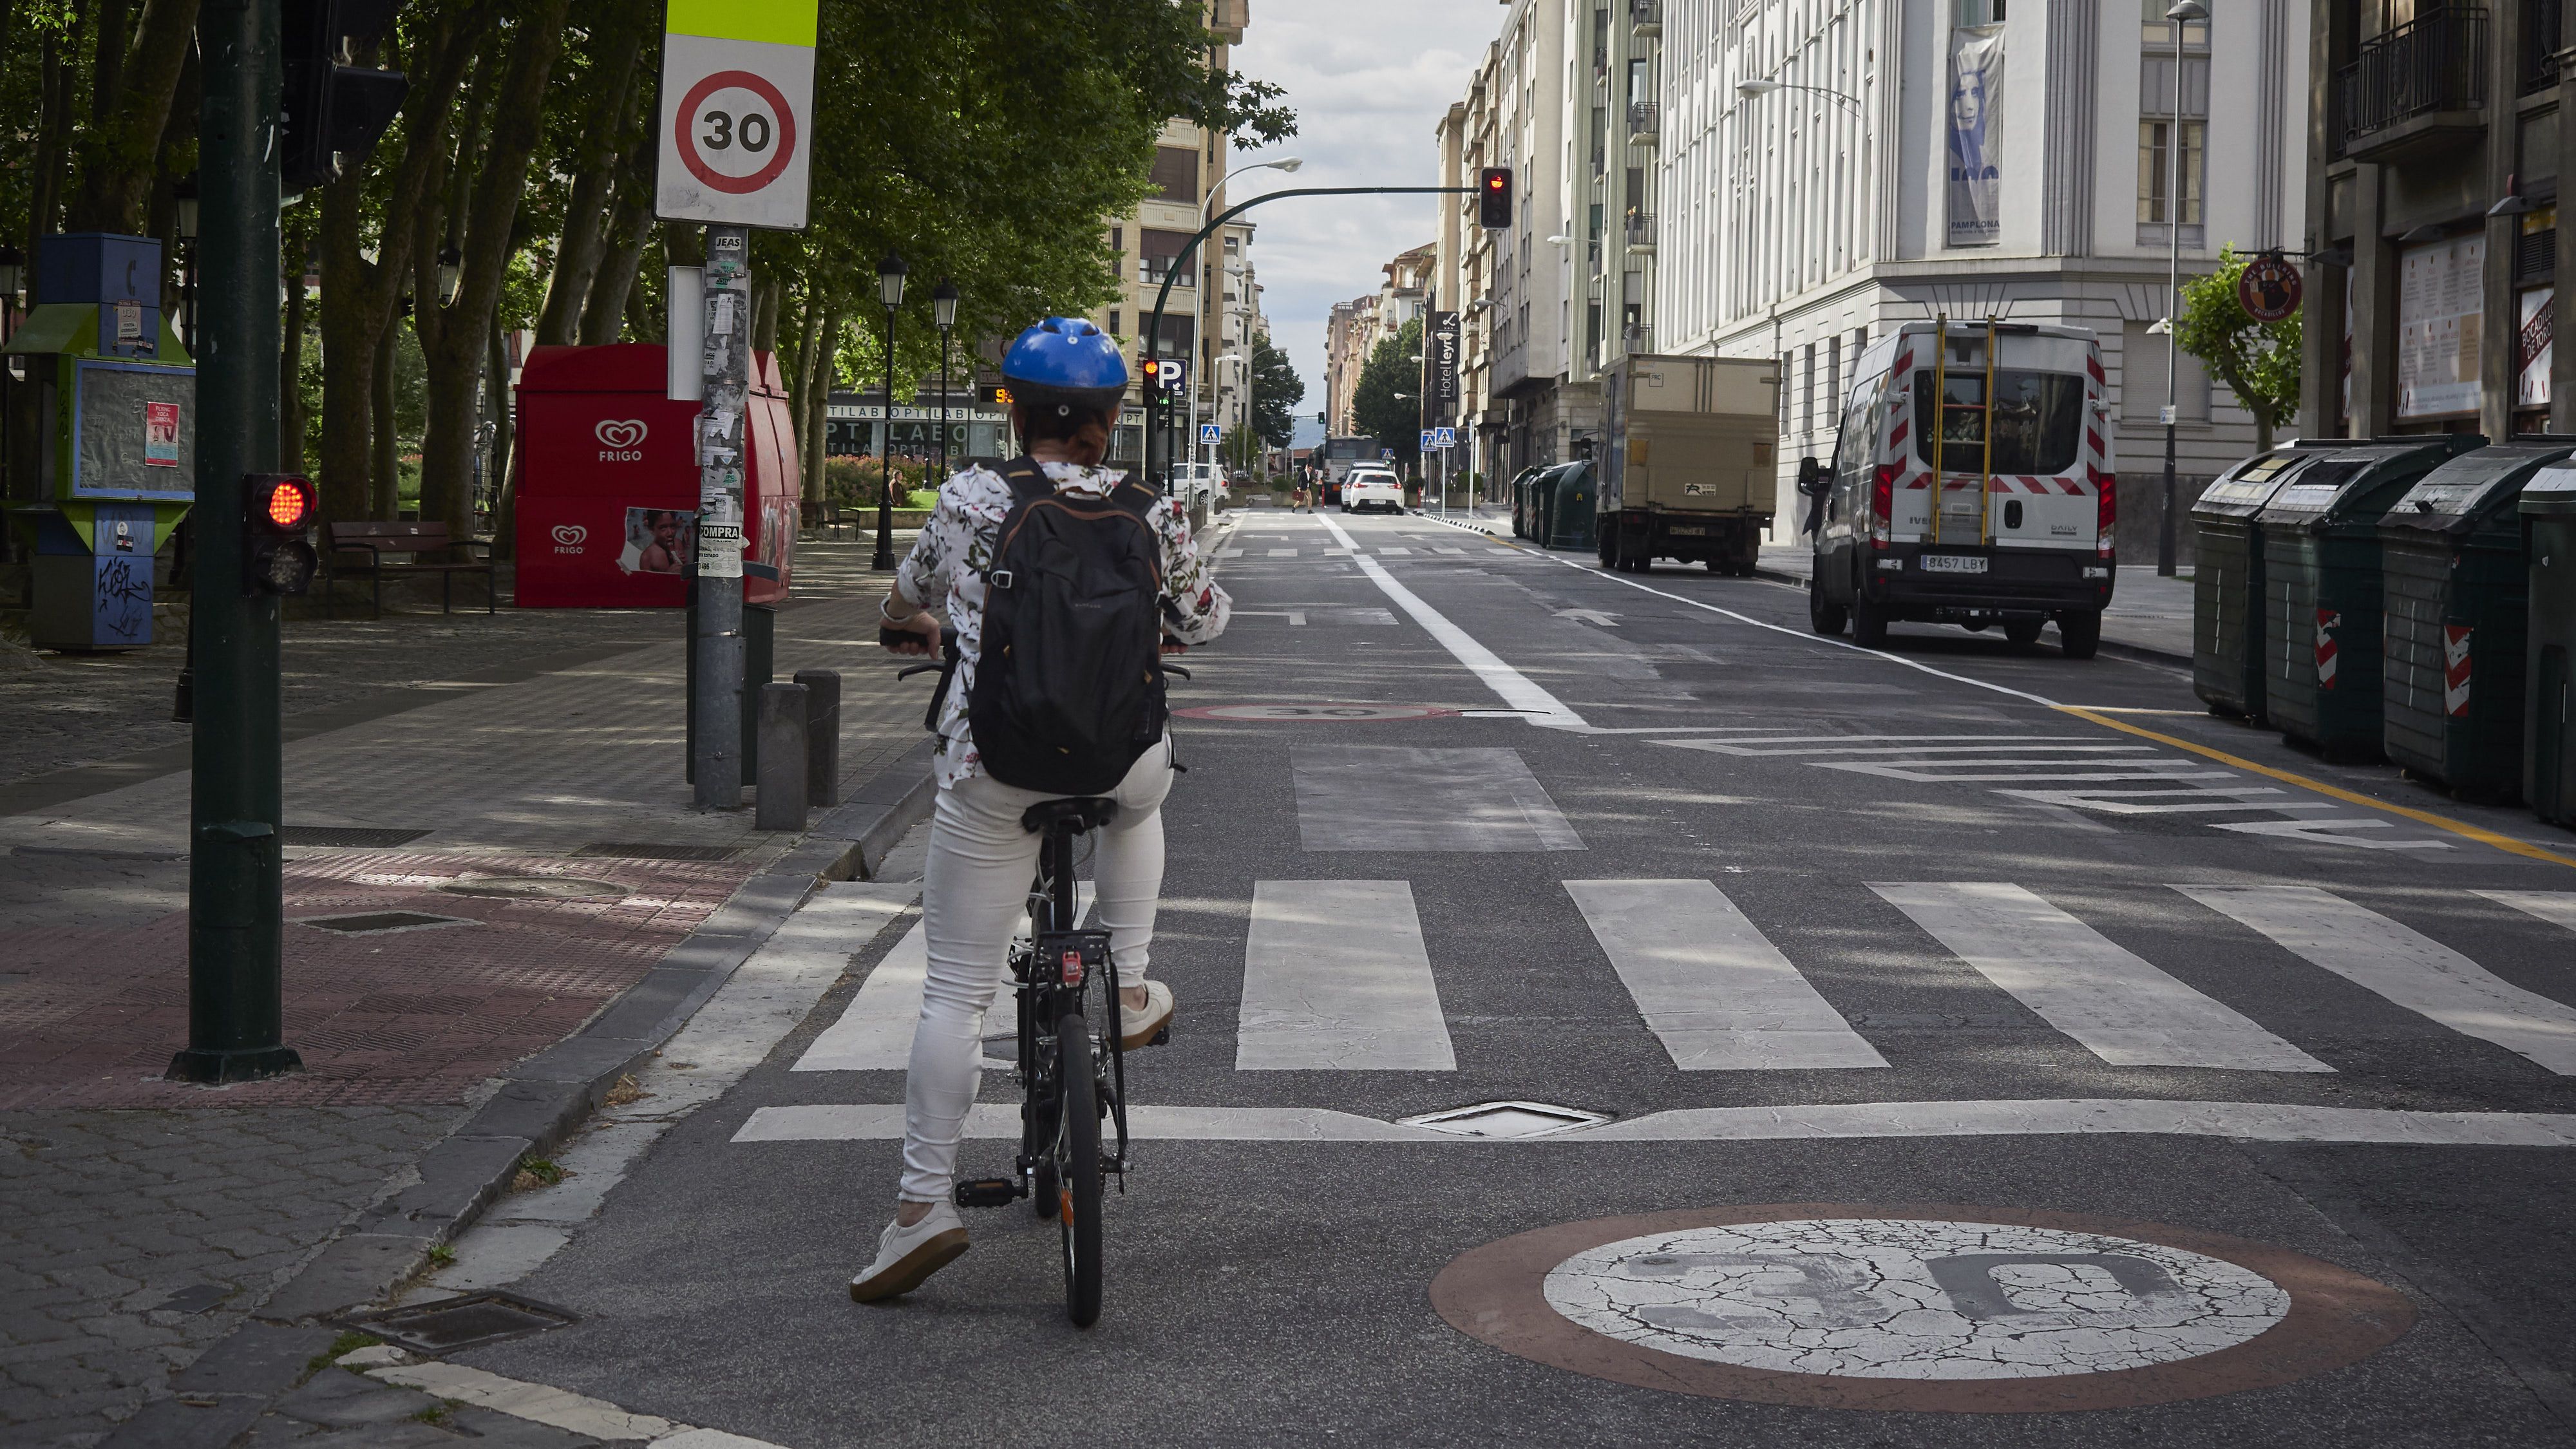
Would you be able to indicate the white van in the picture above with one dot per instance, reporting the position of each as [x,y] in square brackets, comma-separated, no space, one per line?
[2011,522]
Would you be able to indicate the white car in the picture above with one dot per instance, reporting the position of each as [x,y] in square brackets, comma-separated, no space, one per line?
[1194,482]
[1370,489]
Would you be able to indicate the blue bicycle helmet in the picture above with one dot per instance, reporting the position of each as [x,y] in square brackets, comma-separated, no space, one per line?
[1066,363]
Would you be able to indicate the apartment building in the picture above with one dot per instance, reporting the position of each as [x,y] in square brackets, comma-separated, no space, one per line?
[2435,151]
[1820,171]
[1151,243]
[1355,327]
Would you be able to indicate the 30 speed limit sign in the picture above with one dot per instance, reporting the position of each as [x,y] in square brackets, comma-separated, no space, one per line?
[737,112]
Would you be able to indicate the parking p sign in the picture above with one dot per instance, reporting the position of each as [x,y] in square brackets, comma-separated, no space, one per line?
[737,128]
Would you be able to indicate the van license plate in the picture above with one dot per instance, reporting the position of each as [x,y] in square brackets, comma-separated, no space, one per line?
[1693,530]
[1953,563]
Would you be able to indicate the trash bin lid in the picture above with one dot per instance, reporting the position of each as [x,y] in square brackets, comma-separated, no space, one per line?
[2551,490]
[2241,491]
[2361,483]
[2474,490]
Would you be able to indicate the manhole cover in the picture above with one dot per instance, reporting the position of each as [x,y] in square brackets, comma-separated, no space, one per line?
[535,888]
[626,850]
[1506,1119]
[452,1324]
[346,835]
[1315,713]
[377,923]
[1939,1309]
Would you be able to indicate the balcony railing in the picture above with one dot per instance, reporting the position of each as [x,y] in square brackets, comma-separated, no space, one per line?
[1644,119]
[2540,30]
[1641,231]
[2435,62]
[1646,16]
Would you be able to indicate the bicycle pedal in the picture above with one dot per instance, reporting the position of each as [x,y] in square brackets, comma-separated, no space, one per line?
[987,1192]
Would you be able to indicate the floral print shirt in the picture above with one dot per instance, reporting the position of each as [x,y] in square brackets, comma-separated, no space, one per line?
[955,549]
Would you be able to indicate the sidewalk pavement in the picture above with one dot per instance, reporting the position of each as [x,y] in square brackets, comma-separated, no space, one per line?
[578,909]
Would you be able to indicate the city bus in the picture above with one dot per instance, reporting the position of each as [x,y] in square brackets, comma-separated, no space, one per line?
[1338,456]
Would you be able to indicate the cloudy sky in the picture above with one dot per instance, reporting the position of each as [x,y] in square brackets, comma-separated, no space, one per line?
[1369,79]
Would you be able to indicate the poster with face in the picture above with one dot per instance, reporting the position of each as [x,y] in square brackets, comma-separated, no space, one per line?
[658,540]
[1976,135]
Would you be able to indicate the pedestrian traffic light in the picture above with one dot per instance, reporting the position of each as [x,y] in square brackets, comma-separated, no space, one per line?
[332,111]
[1494,196]
[277,554]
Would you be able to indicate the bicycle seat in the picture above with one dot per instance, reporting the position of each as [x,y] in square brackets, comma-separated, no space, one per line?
[1081,813]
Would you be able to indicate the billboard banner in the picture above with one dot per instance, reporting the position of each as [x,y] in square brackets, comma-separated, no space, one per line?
[1976,135]
[2441,306]
[1440,369]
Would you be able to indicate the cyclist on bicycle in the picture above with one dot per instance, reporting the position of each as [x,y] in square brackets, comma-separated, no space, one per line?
[1067,382]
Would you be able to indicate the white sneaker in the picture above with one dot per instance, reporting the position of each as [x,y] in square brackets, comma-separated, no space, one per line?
[907,1256]
[1138,1025]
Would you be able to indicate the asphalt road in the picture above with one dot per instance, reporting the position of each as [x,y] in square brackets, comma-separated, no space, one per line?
[2250,1090]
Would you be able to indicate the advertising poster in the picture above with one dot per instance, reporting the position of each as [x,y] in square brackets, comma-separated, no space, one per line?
[1976,135]
[2532,348]
[160,435]
[657,540]
[2439,309]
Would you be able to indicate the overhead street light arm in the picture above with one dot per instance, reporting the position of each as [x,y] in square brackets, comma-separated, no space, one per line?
[1756,88]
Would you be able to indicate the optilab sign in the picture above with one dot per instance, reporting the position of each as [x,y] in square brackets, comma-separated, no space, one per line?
[621,440]
[737,108]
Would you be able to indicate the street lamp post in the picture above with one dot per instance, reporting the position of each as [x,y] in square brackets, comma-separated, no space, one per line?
[183,199]
[890,291]
[943,311]
[1154,342]
[2182,13]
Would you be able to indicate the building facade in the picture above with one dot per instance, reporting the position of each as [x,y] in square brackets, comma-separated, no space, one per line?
[2435,151]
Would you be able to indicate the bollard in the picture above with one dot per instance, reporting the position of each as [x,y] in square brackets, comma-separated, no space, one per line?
[822,735]
[781,801]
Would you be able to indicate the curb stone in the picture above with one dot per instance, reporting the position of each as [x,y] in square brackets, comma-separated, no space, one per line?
[539,1103]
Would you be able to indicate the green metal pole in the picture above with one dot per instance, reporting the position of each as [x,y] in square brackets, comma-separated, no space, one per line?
[235,892]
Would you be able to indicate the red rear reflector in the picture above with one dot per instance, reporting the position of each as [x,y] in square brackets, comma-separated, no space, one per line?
[1882,503]
[1072,967]
[2106,512]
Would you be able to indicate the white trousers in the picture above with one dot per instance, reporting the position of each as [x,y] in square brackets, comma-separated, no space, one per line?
[974,899]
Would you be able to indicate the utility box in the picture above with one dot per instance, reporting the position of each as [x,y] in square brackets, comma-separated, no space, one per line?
[2548,508]
[2454,601]
[1689,469]
[608,482]
[2227,578]
[116,458]
[2322,591]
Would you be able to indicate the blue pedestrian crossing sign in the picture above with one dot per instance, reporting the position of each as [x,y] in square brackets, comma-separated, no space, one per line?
[1444,437]
[1386,455]
[1426,440]
[1211,433]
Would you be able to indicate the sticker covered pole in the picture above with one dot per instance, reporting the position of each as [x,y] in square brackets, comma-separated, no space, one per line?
[716,711]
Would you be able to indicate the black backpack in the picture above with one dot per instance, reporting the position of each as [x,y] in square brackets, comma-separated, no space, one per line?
[1068,686]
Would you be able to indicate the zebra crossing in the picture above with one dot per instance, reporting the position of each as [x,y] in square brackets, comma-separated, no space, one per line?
[1338,977]
[2120,778]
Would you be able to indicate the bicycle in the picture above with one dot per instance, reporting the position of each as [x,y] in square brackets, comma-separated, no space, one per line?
[1072,1075]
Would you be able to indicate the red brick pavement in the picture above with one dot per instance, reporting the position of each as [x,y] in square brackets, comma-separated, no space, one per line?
[415,1016]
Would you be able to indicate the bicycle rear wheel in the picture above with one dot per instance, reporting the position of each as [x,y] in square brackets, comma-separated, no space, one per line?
[1077,1169]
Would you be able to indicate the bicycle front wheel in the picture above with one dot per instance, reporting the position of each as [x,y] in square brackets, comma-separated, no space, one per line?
[1077,1169]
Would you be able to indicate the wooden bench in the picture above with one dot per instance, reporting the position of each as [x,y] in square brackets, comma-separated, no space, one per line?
[362,547]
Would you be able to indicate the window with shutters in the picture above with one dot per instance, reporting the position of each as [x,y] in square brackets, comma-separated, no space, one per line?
[1163,253]
[1176,174]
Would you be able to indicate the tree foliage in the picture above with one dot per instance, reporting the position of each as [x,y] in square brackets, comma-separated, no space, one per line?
[1386,403]
[2259,361]
[1276,391]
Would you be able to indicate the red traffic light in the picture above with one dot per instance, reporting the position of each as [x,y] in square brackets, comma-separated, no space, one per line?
[1494,196]
[289,504]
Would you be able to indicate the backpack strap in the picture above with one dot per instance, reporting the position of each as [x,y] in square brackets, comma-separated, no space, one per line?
[1028,481]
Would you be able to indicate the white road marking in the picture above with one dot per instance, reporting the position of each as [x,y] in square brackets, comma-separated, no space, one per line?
[1296,617]
[2198,800]
[2039,1117]
[1938,771]
[1283,553]
[1437,549]
[2330,832]
[2121,1007]
[874,1033]
[557,1408]
[1516,689]
[1711,987]
[1395,551]
[2558,907]
[1336,977]
[1229,553]
[1742,747]
[1412,798]
[2412,970]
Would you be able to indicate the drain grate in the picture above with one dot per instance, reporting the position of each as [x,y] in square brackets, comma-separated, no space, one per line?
[1507,1119]
[535,888]
[378,923]
[453,1324]
[631,850]
[358,836]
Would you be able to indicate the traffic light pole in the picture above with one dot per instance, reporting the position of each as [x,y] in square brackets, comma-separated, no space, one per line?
[236,1001]
[1158,448]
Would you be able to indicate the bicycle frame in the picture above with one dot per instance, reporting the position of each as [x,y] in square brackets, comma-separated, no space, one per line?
[1043,998]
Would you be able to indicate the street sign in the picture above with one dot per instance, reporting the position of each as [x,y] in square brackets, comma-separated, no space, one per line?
[1444,437]
[1211,433]
[737,110]
[1176,374]
[1427,435]
[2268,289]
[1386,455]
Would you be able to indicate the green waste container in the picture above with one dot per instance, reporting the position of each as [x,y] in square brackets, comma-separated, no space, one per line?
[2321,590]
[1542,502]
[2548,736]
[2453,600]
[2227,577]
[1569,507]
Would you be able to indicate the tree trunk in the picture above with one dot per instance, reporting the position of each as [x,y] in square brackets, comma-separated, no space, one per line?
[630,227]
[120,158]
[53,144]
[384,446]
[579,252]
[503,458]
[818,395]
[454,338]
